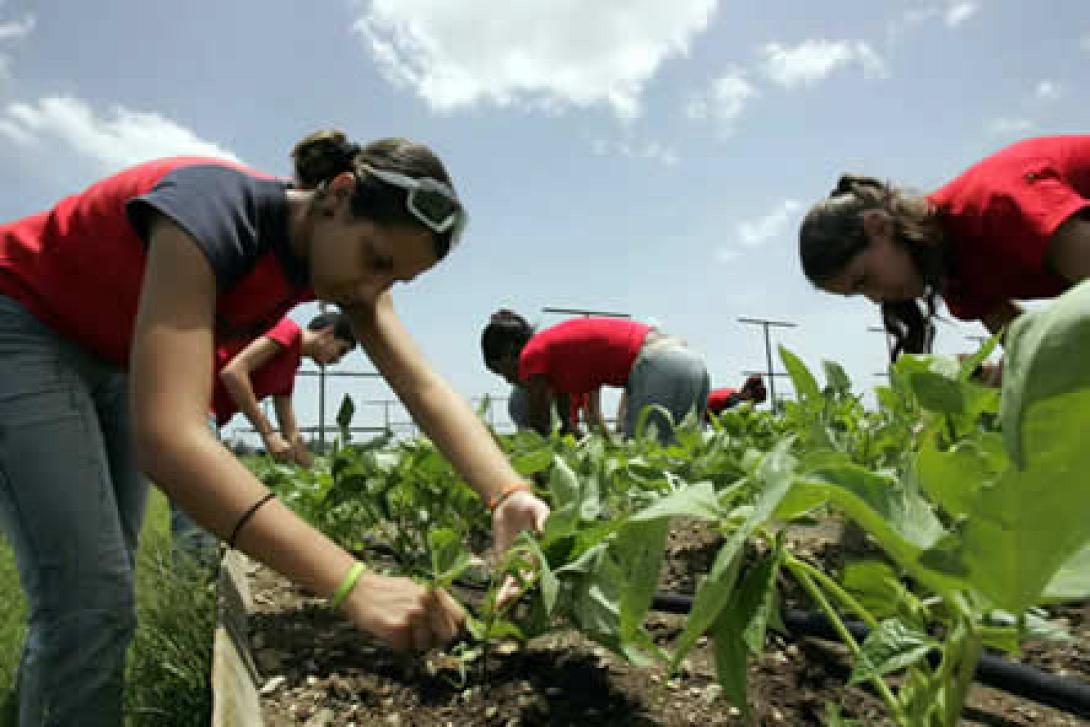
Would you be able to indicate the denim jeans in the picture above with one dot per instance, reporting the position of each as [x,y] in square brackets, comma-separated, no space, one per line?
[672,376]
[190,540]
[71,503]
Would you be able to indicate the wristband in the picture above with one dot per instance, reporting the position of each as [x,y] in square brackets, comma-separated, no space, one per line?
[349,582]
[496,500]
[246,517]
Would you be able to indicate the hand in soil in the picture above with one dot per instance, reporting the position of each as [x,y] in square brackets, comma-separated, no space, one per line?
[404,614]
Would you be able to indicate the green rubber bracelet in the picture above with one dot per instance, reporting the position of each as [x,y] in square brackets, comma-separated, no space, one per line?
[347,584]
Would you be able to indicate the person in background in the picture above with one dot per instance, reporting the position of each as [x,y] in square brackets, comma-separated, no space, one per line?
[111,305]
[753,391]
[247,373]
[579,356]
[267,367]
[1014,226]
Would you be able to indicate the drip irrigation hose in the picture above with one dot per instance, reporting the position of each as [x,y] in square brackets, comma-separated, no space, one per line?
[1021,680]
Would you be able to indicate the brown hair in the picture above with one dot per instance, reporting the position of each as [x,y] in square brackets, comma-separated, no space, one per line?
[325,154]
[832,234]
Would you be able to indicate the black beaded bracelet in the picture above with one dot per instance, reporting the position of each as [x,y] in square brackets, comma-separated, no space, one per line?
[245,517]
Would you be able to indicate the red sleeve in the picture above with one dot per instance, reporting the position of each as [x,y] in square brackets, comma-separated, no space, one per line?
[286,332]
[718,398]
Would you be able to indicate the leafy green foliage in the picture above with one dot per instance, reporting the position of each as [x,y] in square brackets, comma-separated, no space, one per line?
[973,525]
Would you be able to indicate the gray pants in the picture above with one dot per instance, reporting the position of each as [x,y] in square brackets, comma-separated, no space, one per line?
[190,540]
[672,376]
[71,503]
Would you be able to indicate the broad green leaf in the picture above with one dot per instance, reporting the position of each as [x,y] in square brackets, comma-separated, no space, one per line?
[449,557]
[890,647]
[953,478]
[639,549]
[696,501]
[547,579]
[938,393]
[532,462]
[877,588]
[836,378]
[731,658]
[806,387]
[1023,529]
[1072,581]
[1047,354]
[775,476]
[741,626]
[563,484]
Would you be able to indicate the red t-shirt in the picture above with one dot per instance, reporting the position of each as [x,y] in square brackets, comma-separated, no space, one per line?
[583,354]
[79,266]
[999,215]
[719,398]
[275,378]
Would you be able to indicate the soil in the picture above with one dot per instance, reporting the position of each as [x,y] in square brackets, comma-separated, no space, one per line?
[319,671]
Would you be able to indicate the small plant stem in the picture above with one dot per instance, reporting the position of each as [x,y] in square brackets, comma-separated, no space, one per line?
[815,592]
[834,588]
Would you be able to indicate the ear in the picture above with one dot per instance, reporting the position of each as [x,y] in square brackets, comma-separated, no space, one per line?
[877,225]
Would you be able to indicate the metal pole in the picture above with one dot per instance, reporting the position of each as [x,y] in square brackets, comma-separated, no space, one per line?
[884,332]
[584,312]
[321,398]
[765,324]
[321,409]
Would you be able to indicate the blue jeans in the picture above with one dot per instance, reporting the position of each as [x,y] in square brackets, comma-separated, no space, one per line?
[190,540]
[672,376]
[71,503]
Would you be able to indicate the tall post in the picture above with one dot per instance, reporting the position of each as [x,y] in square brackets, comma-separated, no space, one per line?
[885,333]
[321,409]
[585,312]
[766,324]
[321,397]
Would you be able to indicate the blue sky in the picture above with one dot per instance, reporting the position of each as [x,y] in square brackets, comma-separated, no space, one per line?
[629,155]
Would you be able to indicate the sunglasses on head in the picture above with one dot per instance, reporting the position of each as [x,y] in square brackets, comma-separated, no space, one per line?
[431,202]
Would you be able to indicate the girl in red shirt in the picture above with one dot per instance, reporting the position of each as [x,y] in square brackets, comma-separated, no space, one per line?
[128,286]
[753,390]
[579,356]
[1014,226]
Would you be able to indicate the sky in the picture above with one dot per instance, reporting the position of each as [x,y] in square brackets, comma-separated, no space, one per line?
[639,156]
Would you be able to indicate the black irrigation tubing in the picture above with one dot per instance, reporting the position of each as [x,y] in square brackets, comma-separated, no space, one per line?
[1021,680]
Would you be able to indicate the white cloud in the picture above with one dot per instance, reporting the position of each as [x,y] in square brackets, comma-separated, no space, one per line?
[958,12]
[16,28]
[541,53]
[1008,126]
[952,14]
[126,138]
[651,150]
[1048,91]
[814,60]
[11,31]
[757,232]
[1084,42]
[725,100]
